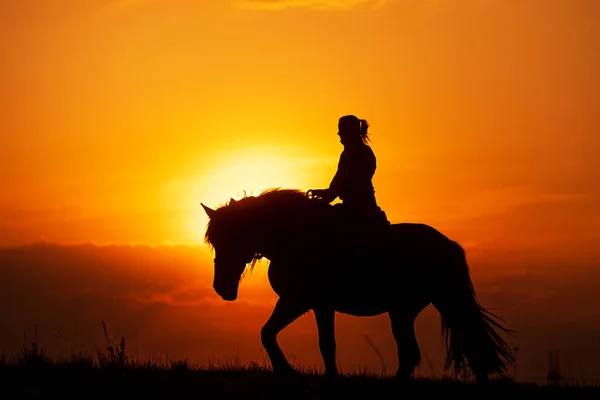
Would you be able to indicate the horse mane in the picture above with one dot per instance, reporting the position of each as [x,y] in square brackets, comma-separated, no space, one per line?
[244,211]
[272,197]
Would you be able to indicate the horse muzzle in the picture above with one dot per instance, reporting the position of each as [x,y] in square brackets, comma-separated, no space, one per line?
[227,294]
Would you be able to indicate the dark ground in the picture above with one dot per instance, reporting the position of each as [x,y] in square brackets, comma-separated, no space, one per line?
[67,381]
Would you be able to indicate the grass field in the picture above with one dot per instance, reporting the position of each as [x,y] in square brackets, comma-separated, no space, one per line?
[30,373]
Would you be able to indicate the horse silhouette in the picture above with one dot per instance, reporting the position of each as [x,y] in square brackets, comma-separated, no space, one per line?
[317,264]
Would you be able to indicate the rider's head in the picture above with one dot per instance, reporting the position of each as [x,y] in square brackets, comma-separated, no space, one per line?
[353,130]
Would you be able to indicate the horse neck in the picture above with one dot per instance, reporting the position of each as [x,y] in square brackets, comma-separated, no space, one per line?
[276,227]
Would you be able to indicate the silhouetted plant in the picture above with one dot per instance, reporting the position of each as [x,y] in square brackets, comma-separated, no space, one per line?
[428,369]
[30,355]
[79,357]
[466,374]
[114,355]
[179,365]
[254,366]
[154,361]
[379,355]
[82,358]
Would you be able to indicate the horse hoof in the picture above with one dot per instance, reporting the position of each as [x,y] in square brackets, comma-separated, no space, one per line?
[287,373]
[404,378]
[332,374]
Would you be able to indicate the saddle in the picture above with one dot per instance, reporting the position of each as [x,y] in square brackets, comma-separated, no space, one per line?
[358,232]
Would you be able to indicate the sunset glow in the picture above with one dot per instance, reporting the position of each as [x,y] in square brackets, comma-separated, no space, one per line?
[237,173]
[120,117]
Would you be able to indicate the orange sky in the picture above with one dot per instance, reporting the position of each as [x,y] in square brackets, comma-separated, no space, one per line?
[119,116]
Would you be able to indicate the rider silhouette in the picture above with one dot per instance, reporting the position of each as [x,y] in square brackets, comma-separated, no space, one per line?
[352,182]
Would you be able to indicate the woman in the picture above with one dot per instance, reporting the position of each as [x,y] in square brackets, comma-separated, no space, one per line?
[352,182]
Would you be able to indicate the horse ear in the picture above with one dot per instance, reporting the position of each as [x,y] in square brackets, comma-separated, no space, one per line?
[209,211]
[232,201]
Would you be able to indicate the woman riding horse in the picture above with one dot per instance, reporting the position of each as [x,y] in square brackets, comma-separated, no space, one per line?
[358,213]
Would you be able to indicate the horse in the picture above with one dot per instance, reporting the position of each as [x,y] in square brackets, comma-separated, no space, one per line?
[315,265]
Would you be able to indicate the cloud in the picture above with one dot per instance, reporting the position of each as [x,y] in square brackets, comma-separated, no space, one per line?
[506,199]
[161,300]
[162,294]
[310,4]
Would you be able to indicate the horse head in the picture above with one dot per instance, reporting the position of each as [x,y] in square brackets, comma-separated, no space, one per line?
[236,232]
[232,253]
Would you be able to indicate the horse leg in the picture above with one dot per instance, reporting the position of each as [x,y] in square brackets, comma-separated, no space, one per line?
[326,327]
[284,313]
[409,354]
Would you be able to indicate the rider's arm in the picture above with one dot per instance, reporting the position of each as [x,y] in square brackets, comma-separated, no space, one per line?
[329,196]
[334,187]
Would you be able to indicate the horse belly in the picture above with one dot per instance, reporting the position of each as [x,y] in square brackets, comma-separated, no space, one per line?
[366,289]
[366,299]
[362,310]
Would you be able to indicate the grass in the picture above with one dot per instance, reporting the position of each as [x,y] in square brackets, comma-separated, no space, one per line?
[110,371]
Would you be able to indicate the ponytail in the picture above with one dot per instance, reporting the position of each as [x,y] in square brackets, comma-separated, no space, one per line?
[364,131]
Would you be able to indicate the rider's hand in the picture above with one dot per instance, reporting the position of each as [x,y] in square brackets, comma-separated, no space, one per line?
[316,193]
[320,194]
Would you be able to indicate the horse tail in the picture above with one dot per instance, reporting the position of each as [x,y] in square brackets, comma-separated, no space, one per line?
[468,329]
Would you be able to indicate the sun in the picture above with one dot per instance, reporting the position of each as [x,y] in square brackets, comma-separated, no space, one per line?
[246,172]
[250,171]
